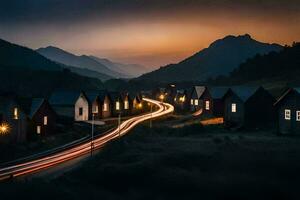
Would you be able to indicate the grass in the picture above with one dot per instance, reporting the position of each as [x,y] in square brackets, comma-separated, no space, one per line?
[193,162]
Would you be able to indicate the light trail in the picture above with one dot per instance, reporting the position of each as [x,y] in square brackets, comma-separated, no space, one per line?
[47,161]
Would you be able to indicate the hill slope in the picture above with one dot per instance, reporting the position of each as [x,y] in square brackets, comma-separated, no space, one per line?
[276,67]
[25,72]
[220,58]
[83,61]
[132,70]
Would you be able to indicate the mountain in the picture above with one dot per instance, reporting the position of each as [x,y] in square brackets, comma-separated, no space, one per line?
[274,69]
[132,70]
[220,58]
[18,57]
[83,61]
[25,72]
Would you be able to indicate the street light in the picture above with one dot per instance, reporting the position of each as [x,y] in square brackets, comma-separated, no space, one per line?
[92,136]
[4,128]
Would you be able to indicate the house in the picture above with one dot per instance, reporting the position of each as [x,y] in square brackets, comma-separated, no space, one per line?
[171,92]
[200,100]
[127,103]
[137,103]
[82,108]
[42,118]
[13,120]
[248,107]
[288,112]
[159,94]
[101,105]
[63,102]
[117,103]
[181,100]
[217,94]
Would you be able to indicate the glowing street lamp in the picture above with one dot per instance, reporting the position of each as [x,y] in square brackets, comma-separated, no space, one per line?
[161,97]
[4,128]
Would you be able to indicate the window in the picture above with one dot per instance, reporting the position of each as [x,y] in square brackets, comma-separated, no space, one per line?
[96,109]
[117,105]
[298,116]
[233,107]
[196,102]
[287,114]
[16,113]
[80,111]
[105,107]
[126,105]
[206,105]
[45,120]
[192,102]
[38,129]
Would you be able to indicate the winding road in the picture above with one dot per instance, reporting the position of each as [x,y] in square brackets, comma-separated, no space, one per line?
[50,160]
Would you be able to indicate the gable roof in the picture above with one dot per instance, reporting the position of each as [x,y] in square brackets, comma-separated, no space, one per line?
[244,92]
[199,90]
[218,92]
[36,103]
[5,103]
[286,93]
[115,96]
[64,97]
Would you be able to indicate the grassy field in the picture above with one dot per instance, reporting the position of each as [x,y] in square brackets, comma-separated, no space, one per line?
[193,162]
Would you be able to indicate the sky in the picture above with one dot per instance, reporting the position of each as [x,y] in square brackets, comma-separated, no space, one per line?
[148,32]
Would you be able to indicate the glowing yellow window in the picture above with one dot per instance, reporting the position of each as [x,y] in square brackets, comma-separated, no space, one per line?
[233,107]
[16,113]
[38,129]
[45,120]
[192,102]
[117,105]
[287,114]
[196,102]
[105,107]
[207,105]
[126,105]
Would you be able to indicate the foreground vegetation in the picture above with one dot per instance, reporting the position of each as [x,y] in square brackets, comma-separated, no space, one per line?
[193,162]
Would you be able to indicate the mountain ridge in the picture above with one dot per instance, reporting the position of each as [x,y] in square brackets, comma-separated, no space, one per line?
[219,58]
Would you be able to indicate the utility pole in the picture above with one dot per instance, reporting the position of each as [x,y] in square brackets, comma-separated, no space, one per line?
[119,124]
[151,116]
[92,136]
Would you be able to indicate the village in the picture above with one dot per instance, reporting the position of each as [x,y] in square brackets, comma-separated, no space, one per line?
[235,107]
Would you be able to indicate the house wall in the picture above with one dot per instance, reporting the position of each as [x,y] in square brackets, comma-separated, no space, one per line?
[106,114]
[97,114]
[233,118]
[17,131]
[201,102]
[292,102]
[116,112]
[218,107]
[38,120]
[82,103]
[127,112]
[259,110]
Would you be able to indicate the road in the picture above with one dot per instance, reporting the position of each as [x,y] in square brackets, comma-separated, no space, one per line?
[81,149]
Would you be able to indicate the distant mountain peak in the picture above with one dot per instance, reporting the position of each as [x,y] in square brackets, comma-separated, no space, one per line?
[220,58]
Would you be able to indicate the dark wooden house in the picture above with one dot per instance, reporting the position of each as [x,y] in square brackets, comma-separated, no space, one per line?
[42,117]
[181,101]
[101,106]
[117,103]
[288,112]
[63,102]
[200,100]
[138,105]
[127,103]
[248,107]
[217,94]
[159,94]
[13,120]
